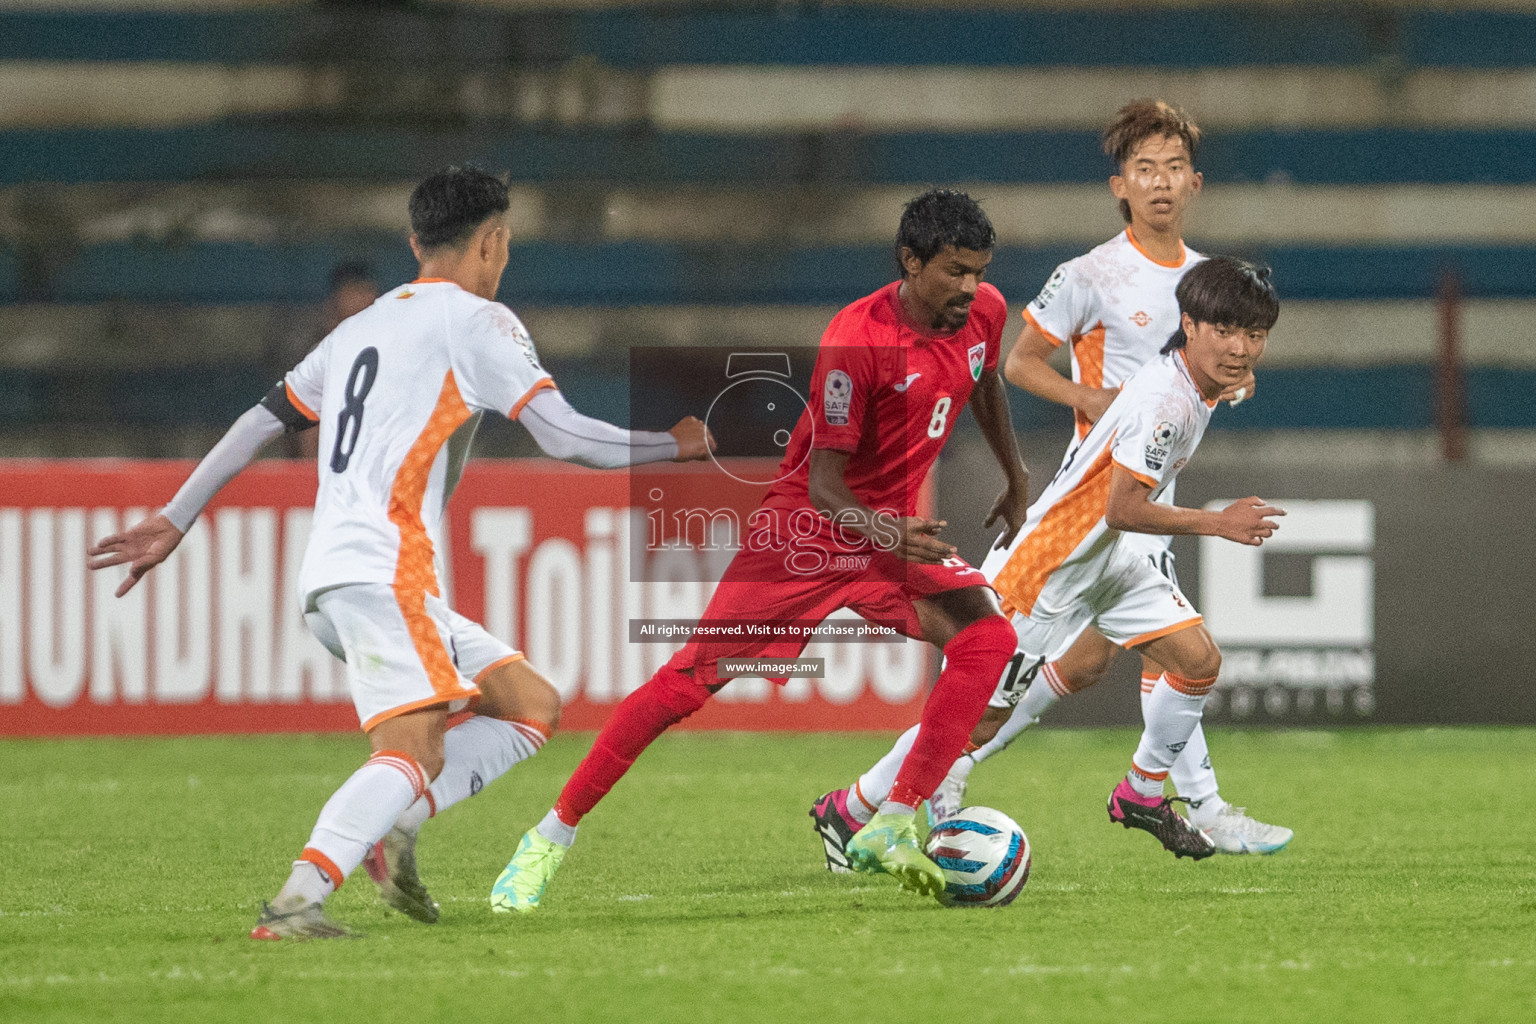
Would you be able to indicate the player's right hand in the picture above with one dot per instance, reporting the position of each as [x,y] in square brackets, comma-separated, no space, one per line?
[919,541]
[694,441]
[1247,521]
[1095,402]
[142,548]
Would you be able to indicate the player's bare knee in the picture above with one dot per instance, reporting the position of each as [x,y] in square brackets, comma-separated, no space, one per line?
[1088,659]
[1086,676]
[545,706]
[1204,661]
[1211,665]
[516,691]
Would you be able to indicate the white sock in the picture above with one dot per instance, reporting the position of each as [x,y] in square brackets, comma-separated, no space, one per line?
[555,830]
[964,765]
[860,809]
[1205,813]
[1170,712]
[875,785]
[1192,776]
[476,752]
[359,813]
[892,807]
[307,884]
[1049,687]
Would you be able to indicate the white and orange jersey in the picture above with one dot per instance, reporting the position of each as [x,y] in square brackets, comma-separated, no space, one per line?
[1117,308]
[389,387]
[1065,548]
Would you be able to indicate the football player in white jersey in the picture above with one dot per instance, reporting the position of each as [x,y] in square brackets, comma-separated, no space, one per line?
[1078,564]
[396,391]
[1113,307]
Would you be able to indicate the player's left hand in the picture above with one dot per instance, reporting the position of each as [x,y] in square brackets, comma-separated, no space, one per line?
[143,547]
[1012,506]
[1239,392]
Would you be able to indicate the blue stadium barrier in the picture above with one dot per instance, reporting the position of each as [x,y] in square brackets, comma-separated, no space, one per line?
[1389,397]
[783,34]
[641,156]
[1397,396]
[209,395]
[650,273]
[1467,39]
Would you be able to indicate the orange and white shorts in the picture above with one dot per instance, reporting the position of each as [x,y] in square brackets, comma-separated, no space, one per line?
[1131,602]
[404,649]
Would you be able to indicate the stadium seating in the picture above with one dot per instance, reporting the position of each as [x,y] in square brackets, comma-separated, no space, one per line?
[176,184]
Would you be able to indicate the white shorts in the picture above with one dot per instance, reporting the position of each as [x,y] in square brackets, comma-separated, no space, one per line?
[1153,548]
[1132,603]
[403,653]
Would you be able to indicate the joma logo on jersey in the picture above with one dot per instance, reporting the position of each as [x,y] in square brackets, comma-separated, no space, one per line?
[1140,318]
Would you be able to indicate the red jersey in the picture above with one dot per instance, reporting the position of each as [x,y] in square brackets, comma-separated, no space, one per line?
[888,393]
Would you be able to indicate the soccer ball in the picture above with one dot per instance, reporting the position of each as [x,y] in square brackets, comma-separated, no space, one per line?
[984,855]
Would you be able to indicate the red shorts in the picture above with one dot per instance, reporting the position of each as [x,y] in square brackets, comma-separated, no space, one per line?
[758,588]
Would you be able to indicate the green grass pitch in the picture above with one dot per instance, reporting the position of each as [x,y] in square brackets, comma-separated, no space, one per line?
[131,872]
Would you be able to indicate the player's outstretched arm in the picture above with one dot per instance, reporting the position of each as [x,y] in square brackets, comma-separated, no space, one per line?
[563,433]
[1029,367]
[151,542]
[1130,508]
[989,404]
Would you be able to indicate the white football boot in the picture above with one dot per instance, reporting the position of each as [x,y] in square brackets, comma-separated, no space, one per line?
[1234,832]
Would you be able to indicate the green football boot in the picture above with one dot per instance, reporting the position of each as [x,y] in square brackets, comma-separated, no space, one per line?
[889,844]
[526,874]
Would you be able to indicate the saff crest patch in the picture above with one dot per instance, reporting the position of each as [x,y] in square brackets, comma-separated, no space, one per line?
[836,398]
[1051,288]
[1160,445]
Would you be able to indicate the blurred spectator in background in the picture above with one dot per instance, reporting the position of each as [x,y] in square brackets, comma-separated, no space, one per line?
[353,287]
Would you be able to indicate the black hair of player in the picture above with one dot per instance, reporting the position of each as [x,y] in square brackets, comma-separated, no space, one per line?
[450,204]
[941,217]
[1227,291]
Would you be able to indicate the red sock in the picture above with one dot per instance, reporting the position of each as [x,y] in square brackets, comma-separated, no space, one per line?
[973,663]
[669,697]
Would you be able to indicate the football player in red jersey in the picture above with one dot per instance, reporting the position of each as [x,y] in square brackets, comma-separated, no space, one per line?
[839,529]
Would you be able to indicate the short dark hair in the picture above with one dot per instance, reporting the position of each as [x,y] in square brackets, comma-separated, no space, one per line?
[1228,291]
[940,217]
[450,204]
[1141,120]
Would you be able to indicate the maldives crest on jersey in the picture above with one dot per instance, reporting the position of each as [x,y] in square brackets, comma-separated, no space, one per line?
[836,397]
[978,354]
